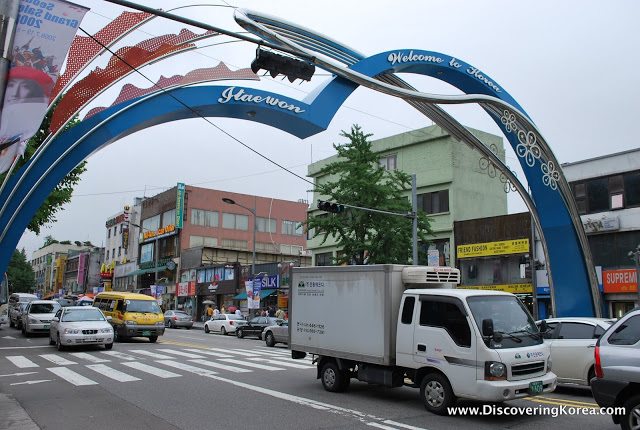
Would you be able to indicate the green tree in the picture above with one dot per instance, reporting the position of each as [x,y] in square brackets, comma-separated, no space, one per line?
[367,237]
[61,194]
[20,273]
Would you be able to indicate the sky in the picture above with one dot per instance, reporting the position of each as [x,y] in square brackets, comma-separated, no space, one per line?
[572,66]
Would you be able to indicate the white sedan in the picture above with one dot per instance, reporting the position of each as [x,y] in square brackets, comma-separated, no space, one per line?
[80,325]
[572,341]
[224,323]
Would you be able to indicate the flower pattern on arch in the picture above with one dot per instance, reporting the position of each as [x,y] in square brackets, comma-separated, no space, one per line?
[528,147]
[550,175]
[509,121]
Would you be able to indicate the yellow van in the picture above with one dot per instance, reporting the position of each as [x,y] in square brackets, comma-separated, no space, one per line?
[132,314]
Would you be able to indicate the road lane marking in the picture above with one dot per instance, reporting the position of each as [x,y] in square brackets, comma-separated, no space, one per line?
[250,364]
[89,357]
[151,370]
[71,376]
[31,382]
[18,374]
[181,353]
[282,363]
[21,361]
[121,355]
[187,368]
[107,371]
[221,366]
[150,354]
[215,354]
[56,359]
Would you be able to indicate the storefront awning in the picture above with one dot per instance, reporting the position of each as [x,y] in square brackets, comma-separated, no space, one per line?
[263,294]
[143,271]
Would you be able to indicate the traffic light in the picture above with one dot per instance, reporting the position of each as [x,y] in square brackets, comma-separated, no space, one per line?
[330,207]
[277,64]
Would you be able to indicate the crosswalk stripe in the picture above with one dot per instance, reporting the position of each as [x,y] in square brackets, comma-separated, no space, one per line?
[221,366]
[71,376]
[21,361]
[278,351]
[56,359]
[282,363]
[121,355]
[112,373]
[245,353]
[187,368]
[215,354]
[151,370]
[89,357]
[250,364]
[252,353]
[183,354]
[150,354]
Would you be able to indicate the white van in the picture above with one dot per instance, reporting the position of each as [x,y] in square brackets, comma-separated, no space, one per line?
[15,307]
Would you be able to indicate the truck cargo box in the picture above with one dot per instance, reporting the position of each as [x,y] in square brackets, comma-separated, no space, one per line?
[347,312]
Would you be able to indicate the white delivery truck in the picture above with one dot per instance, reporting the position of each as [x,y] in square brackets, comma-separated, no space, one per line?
[395,325]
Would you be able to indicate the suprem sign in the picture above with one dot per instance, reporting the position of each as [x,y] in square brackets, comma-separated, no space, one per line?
[620,281]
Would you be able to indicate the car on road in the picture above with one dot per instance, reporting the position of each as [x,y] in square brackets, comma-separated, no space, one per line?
[17,304]
[278,333]
[256,326]
[176,319]
[617,381]
[80,325]
[572,341]
[224,323]
[37,316]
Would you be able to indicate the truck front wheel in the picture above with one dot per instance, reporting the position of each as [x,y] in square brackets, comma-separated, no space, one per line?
[333,379]
[437,394]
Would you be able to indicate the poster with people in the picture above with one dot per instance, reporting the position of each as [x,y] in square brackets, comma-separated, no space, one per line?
[44,32]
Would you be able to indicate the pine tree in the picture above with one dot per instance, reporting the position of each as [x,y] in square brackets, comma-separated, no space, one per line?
[365,237]
[20,273]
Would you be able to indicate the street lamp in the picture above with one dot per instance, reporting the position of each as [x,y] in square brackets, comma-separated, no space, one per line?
[253,212]
[635,256]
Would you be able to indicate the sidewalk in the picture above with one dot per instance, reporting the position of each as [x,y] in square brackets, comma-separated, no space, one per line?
[14,416]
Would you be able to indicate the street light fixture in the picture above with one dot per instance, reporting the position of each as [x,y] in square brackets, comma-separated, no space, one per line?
[253,212]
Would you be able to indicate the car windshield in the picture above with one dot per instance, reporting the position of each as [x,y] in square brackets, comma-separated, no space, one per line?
[234,317]
[509,317]
[82,314]
[180,314]
[150,306]
[44,308]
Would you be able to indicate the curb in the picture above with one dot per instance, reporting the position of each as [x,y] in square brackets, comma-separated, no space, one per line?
[14,415]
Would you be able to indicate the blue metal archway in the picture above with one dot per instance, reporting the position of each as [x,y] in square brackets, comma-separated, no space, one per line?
[550,200]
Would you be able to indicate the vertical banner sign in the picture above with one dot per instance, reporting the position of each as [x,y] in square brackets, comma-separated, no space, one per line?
[249,287]
[43,35]
[179,205]
[81,265]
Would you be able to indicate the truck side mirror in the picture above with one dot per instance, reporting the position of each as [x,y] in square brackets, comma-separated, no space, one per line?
[543,326]
[487,327]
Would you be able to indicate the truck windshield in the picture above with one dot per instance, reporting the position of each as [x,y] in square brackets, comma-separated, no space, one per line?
[510,318]
[143,306]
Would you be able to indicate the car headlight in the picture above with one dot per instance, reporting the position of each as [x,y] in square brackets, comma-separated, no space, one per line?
[160,323]
[129,322]
[71,331]
[494,370]
[106,330]
[549,364]
[33,321]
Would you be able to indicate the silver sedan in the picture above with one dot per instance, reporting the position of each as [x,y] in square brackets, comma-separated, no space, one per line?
[80,325]
[276,333]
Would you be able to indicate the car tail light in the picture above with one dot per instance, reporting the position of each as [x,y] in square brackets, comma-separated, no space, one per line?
[230,322]
[175,318]
[598,366]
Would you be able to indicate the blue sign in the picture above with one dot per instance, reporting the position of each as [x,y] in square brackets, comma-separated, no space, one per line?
[543,290]
[271,282]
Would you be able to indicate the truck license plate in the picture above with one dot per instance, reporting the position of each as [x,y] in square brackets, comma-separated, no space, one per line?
[148,333]
[535,387]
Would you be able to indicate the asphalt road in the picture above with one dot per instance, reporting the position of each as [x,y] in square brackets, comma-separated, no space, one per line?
[192,380]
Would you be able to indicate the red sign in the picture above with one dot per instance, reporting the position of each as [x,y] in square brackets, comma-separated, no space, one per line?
[192,288]
[620,281]
[186,288]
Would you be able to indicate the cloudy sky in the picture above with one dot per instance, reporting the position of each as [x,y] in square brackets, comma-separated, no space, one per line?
[572,65]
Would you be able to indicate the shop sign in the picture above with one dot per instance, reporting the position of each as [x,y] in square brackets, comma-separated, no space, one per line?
[509,288]
[602,224]
[620,281]
[163,231]
[505,247]
[179,205]
[182,289]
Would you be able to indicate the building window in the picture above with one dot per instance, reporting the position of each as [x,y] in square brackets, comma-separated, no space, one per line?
[235,244]
[292,228]
[324,259]
[121,228]
[196,241]
[115,231]
[611,251]
[632,189]
[291,249]
[235,221]
[108,233]
[435,202]
[107,255]
[266,247]
[119,251]
[607,193]
[266,225]
[204,218]
[169,217]
[389,162]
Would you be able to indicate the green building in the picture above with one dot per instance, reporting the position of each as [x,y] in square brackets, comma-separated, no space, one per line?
[454,183]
